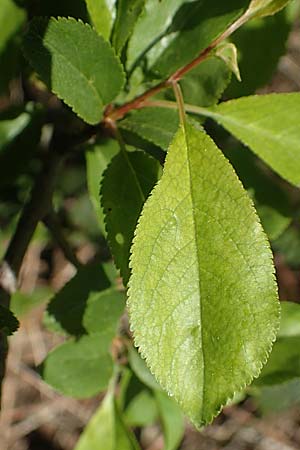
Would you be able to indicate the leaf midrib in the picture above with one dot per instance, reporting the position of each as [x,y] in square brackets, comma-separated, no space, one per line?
[260,131]
[198,264]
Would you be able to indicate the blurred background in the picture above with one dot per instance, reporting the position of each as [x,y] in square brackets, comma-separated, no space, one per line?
[34,416]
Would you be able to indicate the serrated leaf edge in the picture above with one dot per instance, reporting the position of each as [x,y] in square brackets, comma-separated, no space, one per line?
[105,43]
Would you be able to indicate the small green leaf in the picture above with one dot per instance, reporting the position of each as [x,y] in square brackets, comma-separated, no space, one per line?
[106,430]
[128,13]
[260,43]
[126,184]
[276,398]
[98,156]
[172,420]
[261,8]
[103,312]
[227,52]
[76,63]
[157,125]
[269,125]
[202,295]
[100,12]
[80,368]
[8,322]
[66,309]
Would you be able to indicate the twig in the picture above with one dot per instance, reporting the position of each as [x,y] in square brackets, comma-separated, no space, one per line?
[141,100]
[52,222]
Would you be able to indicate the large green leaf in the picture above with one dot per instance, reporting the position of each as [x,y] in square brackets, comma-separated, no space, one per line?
[79,368]
[157,125]
[202,296]
[98,156]
[126,184]
[193,28]
[106,430]
[76,63]
[67,308]
[269,125]
[127,14]
[100,12]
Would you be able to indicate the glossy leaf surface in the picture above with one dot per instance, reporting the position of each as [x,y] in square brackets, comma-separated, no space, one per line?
[202,296]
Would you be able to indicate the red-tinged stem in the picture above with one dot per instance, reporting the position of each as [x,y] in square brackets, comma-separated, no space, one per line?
[141,100]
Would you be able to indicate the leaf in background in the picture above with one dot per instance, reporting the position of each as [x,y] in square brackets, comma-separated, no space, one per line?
[261,8]
[141,370]
[106,430]
[126,184]
[283,364]
[290,320]
[100,12]
[271,200]
[269,125]
[11,19]
[193,28]
[142,410]
[8,322]
[58,8]
[66,309]
[128,13]
[23,303]
[80,368]
[17,153]
[76,63]
[11,127]
[172,420]
[202,295]
[288,245]
[103,312]
[205,84]
[150,27]
[98,156]
[274,399]
[157,125]
[260,43]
